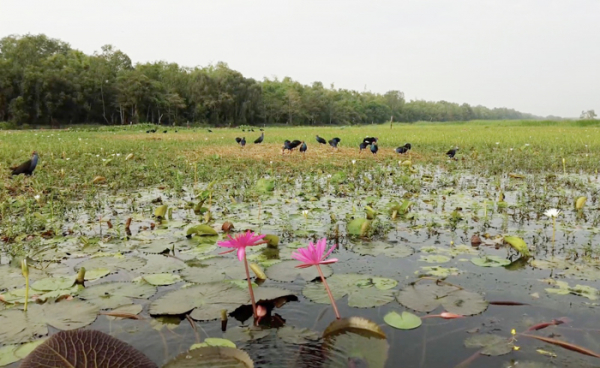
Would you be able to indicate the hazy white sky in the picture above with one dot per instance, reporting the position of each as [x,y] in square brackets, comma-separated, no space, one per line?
[537,56]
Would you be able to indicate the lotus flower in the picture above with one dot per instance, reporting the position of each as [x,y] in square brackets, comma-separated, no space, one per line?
[553,212]
[314,254]
[240,242]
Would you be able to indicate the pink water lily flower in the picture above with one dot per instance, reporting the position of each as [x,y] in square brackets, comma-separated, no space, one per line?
[240,242]
[314,254]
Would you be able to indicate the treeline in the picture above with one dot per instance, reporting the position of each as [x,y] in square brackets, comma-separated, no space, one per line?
[44,81]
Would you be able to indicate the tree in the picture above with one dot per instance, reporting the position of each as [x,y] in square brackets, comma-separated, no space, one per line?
[589,115]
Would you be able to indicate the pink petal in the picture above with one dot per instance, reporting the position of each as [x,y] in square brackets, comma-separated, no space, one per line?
[241,253]
[448,315]
[329,261]
[304,265]
[330,250]
[228,251]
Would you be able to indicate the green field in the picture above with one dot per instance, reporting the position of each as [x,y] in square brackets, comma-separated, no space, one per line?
[394,219]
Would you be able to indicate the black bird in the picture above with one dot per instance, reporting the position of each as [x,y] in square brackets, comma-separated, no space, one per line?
[261,129]
[361,147]
[370,140]
[251,130]
[153,131]
[408,146]
[303,147]
[334,142]
[374,147]
[165,131]
[238,140]
[321,140]
[401,150]
[452,152]
[287,145]
[243,142]
[26,167]
[147,131]
[210,131]
[260,139]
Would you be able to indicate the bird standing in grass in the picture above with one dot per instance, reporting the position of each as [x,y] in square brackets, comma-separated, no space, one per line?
[287,145]
[370,140]
[260,139]
[374,148]
[408,146]
[401,150]
[303,147]
[361,147]
[238,140]
[243,142]
[210,131]
[452,152]
[334,142]
[321,140]
[26,167]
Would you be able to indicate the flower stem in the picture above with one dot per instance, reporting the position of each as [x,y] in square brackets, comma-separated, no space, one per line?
[553,229]
[337,314]
[250,287]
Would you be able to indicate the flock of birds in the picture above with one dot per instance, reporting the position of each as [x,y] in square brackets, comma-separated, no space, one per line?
[370,142]
[28,166]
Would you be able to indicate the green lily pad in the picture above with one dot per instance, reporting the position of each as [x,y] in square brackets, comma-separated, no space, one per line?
[349,344]
[13,353]
[435,258]
[385,249]
[54,283]
[493,345]
[215,269]
[563,288]
[131,309]
[361,291]
[201,230]
[298,336]
[440,272]
[157,263]
[359,227]
[113,263]
[96,273]
[115,294]
[205,301]
[404,321]
[244,334]
[427,297]
[17,326]
[518,244]
[157,246]
[213,341]
[490,261]
[159,279]
[212,357]
[265,185]
[286,271]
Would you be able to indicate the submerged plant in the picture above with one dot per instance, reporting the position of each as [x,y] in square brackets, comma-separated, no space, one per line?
[25,271]
[315,255]
[239,243]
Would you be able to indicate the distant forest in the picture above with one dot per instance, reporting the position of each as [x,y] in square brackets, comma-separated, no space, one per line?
[43,81]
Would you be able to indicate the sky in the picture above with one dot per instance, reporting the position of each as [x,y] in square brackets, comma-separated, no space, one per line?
[536,56]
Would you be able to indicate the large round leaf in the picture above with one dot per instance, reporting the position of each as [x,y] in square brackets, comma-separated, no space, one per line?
[212,357]
[205,301]
[17,326]
[215,269]
[385,249]
[492,345]
[361,291]
[112,263]
[286,271]
[244,334]
[299,336]
[427,297]
[86,349]
[404,321]
[156,263]
[490,261]
[115,294]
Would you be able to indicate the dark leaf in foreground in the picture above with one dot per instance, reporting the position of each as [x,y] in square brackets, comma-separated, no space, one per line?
[82,349]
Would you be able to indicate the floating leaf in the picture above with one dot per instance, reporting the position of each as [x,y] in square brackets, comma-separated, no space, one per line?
[13,353]
[493,345]
[518,244]
[360,289]
[161,211]
[160,279]
[96,273]
[435,258]
[213,341]
[115,294]
[212,357]
[200,230]
[214,269]
[404,321]
[112,263]
[265,185]
[17,326]
[359,227]
[355,338]
[490,261]
[580,203]
[427,297]
[377,248]
[439,271]
[245,334]
[286,271]
[86,349]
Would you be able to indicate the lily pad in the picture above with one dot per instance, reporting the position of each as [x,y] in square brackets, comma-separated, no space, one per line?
[212,357]
[385,249]
[159,279]
[427,297]
[213,341]
[13,353]
[215,269]
[518,244]
[205,301]
[244,334]
[54,283]
[435,258]
[298,336]
[493,345]
[113,263]
[404,321]
[490,261]
[157,263]
[96,273]
[17,326]
[361,291]
[158,246]
[439,271]
[286,271]
[115,294]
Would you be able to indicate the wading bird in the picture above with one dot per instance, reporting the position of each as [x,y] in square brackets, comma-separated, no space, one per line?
[26,167]
[238,140]
[321,140]
[210,131]
[260,139]
[370,140]
[243,142]
[361,147]
[303,147]
[408,146]
[287,145]
[401,150]
[374,148]
[452,152]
